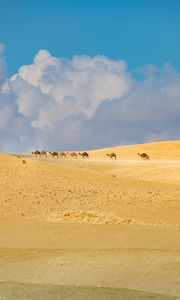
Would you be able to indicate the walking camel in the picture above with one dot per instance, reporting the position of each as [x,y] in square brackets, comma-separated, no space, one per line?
[43,153]
[36,153]
[84,154]
[54,154]
[143,156]
[63,154]
[73,154]
[112,155]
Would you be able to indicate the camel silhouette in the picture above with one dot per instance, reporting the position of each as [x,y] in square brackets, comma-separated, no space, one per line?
[73,154]
[143,156]
[36,153]
[84,154]
[63,154]
[43,153]
[54,154]
[111,155]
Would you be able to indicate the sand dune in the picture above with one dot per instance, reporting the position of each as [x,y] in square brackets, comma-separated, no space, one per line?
[91,191]
[132,269]
[72,222]
[168,150]
[18,291]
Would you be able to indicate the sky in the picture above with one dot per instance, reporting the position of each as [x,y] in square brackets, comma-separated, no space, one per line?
[140,32]
[81,74]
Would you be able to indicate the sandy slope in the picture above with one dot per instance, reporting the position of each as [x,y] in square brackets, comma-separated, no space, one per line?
[168,150]
[91,223]
[20,291]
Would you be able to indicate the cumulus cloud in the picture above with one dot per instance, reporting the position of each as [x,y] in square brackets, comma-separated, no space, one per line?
[149,112]
[86,102]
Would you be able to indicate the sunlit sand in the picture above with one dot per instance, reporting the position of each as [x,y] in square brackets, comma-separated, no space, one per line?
[91,228]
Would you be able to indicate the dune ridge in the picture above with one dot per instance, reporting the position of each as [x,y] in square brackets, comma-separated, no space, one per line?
[168,150]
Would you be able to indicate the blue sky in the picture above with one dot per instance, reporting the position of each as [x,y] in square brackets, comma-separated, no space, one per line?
[88,74]
[140,32]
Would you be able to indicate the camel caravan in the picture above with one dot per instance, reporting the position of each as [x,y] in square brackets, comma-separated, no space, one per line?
[84,155]
[44,154]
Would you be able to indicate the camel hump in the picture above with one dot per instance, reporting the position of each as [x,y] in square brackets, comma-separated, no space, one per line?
[84,154]
[112,155]
[54,153]
[43,152]
[37,152]
[144,155]
[73,154]
[63,154]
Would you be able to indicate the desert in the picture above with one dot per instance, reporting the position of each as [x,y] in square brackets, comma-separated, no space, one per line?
[89,150]
[92,228]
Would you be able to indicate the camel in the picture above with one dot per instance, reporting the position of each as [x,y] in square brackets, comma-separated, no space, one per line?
[54,154]
[36,153]
[84,154]
[73,154]
[43,153]
[63,154]
[143,156]
[112,155]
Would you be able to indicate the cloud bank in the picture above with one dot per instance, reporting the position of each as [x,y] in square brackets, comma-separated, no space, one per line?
[85,103]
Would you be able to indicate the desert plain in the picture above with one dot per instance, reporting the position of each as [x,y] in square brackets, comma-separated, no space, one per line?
[91,228]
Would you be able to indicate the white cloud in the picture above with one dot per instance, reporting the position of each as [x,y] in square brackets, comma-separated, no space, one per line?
[150,111]
[86,102]
[77,85]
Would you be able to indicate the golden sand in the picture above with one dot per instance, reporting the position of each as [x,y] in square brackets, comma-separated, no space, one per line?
[105,229]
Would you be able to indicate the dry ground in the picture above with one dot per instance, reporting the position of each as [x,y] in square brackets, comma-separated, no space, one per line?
[91,229]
